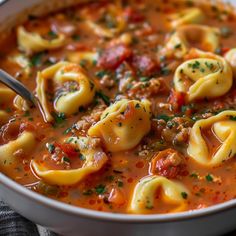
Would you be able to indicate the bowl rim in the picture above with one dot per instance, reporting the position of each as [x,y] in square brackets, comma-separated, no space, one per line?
[112,217]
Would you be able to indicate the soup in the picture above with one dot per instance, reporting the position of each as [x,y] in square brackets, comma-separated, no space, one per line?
[138,106]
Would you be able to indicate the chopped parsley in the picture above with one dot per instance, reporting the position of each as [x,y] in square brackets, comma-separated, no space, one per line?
[225,31]
[104,97]
[185,108]
[194,175]
[88,192]
[120,183]
[59,118]
[119,124]
[75,37]
[27,113]
[36,59]
[100,74]
[50,147]
[184,195]
[144,79]
[209,178]
[165,71]
[177,46]
[195,65]
[100,189]
[164,117]
[65,159]
[52,34]
[232,118]
[48,190]
[82,157]
[137,106]
[67,131]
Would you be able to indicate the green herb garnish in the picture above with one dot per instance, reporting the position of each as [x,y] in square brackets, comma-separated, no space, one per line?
[100,189]
[184,195]
[209,178]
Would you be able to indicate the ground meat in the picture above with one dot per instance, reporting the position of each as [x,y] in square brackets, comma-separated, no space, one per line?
[94,143]
[88,120]
[107,81]
[181,137]
[144,89]
[175,131]
[147,89]
[169,163]
[157,127]
[112,57]
[177,135]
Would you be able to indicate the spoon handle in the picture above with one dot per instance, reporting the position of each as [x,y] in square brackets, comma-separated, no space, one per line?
[17,86]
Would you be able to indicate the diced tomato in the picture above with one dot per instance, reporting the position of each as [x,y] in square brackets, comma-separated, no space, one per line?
[145,65]
[165,168]
[169,163]
[224,50]
[112,57]
[176,99]
[68,149]
[132,15]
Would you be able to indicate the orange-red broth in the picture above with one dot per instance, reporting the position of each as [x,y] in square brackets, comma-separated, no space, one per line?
[111,188]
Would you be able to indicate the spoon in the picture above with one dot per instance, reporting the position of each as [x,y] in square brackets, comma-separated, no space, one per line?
[21,90]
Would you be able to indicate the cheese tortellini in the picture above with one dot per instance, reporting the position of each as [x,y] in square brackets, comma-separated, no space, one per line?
[26,142]
[21,104]
[114,12]
[230,56]
[186,36]
[69,101]
[144,194]
[123,124]
[77,57]
[205,76]
[223,126]
[7,96]
[192,15]
[23,62]
[95,160]
[33,42]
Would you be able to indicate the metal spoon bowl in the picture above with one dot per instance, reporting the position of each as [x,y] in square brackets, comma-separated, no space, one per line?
[21,90]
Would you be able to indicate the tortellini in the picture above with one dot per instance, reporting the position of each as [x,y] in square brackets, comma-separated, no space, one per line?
[7,96]
[33,42]
[143,197]
[192,15]
[205,76]
[123,124]
[21,104]
[189,35]
[26,142]
[95,160]
[77,57]
[223,126]
[230,56]
[68,102]
[115,13]
[22,61]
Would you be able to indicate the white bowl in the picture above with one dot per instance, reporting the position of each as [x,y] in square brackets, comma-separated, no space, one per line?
[75,221]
